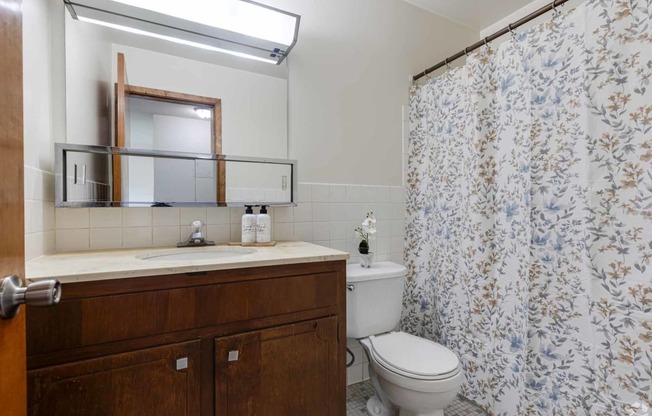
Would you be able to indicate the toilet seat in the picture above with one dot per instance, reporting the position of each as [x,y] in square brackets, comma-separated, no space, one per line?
[414,357]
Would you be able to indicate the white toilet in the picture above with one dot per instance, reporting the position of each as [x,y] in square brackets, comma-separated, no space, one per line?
[415,375]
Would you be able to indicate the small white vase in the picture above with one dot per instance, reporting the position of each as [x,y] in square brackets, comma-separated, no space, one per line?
[366,260]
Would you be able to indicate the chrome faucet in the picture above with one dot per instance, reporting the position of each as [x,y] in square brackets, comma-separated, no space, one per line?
[197,238]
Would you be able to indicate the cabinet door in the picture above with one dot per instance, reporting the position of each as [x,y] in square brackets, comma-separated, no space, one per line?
[157,381]
[285,371]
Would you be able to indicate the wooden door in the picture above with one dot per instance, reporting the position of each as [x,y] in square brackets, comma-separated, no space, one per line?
[283,371]
[12,230]
[162,381]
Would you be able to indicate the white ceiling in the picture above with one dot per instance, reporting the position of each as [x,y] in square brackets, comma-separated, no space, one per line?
[476,14]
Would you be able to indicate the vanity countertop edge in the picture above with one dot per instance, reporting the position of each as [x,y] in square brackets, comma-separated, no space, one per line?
[85,266]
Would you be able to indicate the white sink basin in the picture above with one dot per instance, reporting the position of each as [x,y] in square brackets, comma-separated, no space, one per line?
[189,254]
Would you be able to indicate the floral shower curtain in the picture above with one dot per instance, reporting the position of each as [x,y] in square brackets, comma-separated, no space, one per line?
[529,231]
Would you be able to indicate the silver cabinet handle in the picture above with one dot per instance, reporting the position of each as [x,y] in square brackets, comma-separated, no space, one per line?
[13,294]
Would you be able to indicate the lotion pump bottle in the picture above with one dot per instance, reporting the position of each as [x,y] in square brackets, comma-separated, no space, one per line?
[249,226]
[263,226]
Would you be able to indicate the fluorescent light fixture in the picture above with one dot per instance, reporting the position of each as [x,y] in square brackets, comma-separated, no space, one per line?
[175,40]
[203,113]
[238,27]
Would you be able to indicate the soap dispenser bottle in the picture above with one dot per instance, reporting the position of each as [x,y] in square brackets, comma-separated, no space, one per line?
[249,226]
[263,226]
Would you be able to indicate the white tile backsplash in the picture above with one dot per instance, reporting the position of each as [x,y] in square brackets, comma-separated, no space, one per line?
[166,236]
[105,217]
[321,231]
[303,231]
[337,211]
[135,217]
[283,214]
[320,193]
[320,211]
[284,231]
[354,193]
[105,238]
[303,212]
[305,192]
[72,239]
[40,216]
[134,237]
[359,370]
[328,216]
[165,217]
[215,216]
[220,233]
[337,193]
[72,218]
[188,215]
[337,230]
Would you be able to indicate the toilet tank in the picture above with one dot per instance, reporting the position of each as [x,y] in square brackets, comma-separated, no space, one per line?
[374,298]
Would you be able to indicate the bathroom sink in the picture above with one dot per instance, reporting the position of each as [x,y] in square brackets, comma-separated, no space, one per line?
[190,254]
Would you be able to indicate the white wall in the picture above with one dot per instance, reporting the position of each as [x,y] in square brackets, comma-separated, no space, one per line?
[42,80]
[349,75]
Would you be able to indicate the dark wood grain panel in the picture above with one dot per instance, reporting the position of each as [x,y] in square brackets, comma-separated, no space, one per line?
[137,383]
[290,370]
[135,315]
[59,356]
[171,281]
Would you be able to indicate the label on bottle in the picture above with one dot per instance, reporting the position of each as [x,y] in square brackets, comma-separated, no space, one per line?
[249,229]
[263,231]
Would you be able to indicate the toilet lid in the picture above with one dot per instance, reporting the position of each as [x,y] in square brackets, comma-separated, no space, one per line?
[414,356]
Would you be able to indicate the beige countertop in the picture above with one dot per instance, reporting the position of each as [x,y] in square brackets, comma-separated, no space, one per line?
[121,264]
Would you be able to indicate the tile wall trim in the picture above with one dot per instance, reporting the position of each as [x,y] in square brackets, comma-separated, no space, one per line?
[327,214]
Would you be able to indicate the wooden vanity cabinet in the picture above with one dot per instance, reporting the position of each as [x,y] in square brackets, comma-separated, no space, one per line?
[267,341]
[157,381]
[288,370]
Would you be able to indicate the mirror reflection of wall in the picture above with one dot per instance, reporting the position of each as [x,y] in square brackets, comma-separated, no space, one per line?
[254,99]
[168,126]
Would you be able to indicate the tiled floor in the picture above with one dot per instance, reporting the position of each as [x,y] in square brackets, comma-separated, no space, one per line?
[357,395]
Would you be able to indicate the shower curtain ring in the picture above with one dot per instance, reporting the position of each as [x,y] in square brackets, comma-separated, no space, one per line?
[511,31]
[486,44]
[554,8]
[466,52]
[448,67]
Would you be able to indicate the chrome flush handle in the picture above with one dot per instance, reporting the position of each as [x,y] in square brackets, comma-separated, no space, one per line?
[13,294]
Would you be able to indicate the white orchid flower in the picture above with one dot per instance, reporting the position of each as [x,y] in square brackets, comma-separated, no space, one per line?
[369,224]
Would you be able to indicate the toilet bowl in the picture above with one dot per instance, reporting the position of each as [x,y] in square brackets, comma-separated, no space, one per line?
[410,375]
[418,376]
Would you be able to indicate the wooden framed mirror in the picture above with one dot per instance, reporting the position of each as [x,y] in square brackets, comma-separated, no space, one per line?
[203,121]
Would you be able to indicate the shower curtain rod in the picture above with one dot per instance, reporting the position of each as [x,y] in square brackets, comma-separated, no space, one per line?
[545,9]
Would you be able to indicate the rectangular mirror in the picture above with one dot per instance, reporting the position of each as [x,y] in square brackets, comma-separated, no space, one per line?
[253,95]
[242,110]
[161,178]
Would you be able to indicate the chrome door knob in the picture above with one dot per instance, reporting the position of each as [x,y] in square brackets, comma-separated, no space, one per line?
[13,294]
